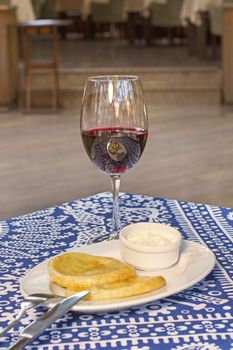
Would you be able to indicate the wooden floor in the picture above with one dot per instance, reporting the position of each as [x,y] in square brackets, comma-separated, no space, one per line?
[189,156]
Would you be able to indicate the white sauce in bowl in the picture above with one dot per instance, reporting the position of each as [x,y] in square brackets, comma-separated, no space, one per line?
[151,238]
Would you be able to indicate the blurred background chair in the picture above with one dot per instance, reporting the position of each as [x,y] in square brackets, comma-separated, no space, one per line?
[47,9]
[44,9]
[216,27]
[30,31]
[75,10]
[164,17]
[136,21]
[104,16]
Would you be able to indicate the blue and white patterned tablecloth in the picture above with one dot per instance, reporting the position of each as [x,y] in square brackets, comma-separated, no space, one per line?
[175,323]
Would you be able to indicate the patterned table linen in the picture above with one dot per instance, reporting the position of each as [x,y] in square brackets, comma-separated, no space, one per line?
[199,318]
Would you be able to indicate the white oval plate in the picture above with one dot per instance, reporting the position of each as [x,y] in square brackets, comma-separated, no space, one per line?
[195,262]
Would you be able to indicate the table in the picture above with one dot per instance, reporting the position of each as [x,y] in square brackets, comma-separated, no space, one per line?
[177,323]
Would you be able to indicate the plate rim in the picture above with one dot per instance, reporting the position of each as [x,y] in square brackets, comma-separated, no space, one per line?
[124,303]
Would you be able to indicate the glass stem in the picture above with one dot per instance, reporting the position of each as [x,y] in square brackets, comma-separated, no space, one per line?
[116,224]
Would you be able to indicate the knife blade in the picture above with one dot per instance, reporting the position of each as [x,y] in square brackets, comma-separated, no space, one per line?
[38,326]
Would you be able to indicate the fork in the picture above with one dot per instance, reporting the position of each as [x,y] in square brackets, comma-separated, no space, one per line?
[28,303]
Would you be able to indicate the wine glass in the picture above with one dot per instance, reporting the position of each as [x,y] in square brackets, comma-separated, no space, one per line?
[114,129]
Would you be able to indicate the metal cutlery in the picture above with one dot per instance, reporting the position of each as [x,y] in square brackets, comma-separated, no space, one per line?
[38,326]
[28,303]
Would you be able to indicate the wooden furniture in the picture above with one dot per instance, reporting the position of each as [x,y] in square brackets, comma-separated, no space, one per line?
[36,29]
[8,56]
[228,53]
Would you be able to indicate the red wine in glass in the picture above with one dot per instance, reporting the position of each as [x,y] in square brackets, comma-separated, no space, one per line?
[113,127]
[114,150]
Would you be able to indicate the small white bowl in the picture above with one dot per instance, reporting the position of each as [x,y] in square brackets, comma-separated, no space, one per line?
[150,246]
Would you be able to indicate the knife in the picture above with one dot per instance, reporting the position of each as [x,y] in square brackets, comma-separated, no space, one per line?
[38,326]
[29,302]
